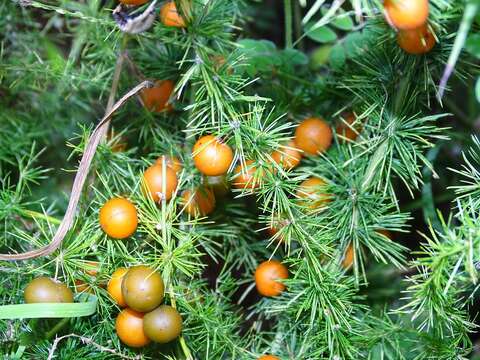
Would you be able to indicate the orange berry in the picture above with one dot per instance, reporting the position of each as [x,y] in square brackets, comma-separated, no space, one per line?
[172,162]
[416,41]
[346,130]
[386,233]
[266,276]
[169,15]
[288,157]
[92,268]
[268,357]
[244,178]
[157,185]
[118,218]
[117,143]
[129,326]
[313,136]
[200,203]
[348,257]
[310,191]
[114,287]
[407,14]
[157,97]
[211,156]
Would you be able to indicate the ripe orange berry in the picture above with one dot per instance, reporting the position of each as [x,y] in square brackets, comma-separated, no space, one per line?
[118,218]
[157,97]
[157,185]
[407,14]
[92,268]
[266,276]
[313,136]
[274,228]
[212,157]
[244,178]
[129,326]
[416,41]
[200,203]
[268,357]
[288,157]
[114,286]
[117,143]
[169,15]
[133,2]
[386,233]
[311,191]
[272,231]
[346,130]
[172,162]
[81,286]
[219,61]
[348,257]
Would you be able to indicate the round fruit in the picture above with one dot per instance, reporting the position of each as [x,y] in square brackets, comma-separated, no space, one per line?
[163,324]
[211,156]
[407,14]
[200,203]
[142,288]
[219,62]
[348,257]
[346,128]
[92,268]
[272,231]
[313,136]
[81,286]
[172,162]
[133,2]
[385,233]
[129,326]
[288,157]
[268,357]
[118,218]
[244,178]
[117,143]
[310,191]
[45,290]
[169,15]
[157,185]
[266,276]
[114,286]
[274,228]
[157,97]
[416,41]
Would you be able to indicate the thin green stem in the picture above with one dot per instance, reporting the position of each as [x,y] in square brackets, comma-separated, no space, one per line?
[37,215]
[400,94]
[183,343]
[287,4]
[297,11]
[58,326]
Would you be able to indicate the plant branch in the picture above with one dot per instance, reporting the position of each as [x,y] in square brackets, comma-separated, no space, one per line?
[83,169]
[287,4]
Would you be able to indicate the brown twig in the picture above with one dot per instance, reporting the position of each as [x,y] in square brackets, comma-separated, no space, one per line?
[79,181]
[87,341]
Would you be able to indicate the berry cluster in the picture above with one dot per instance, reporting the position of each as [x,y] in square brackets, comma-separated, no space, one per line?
[140,290]
[410,17]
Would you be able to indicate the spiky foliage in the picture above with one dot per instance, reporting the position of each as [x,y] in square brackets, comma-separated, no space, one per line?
[57,64]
